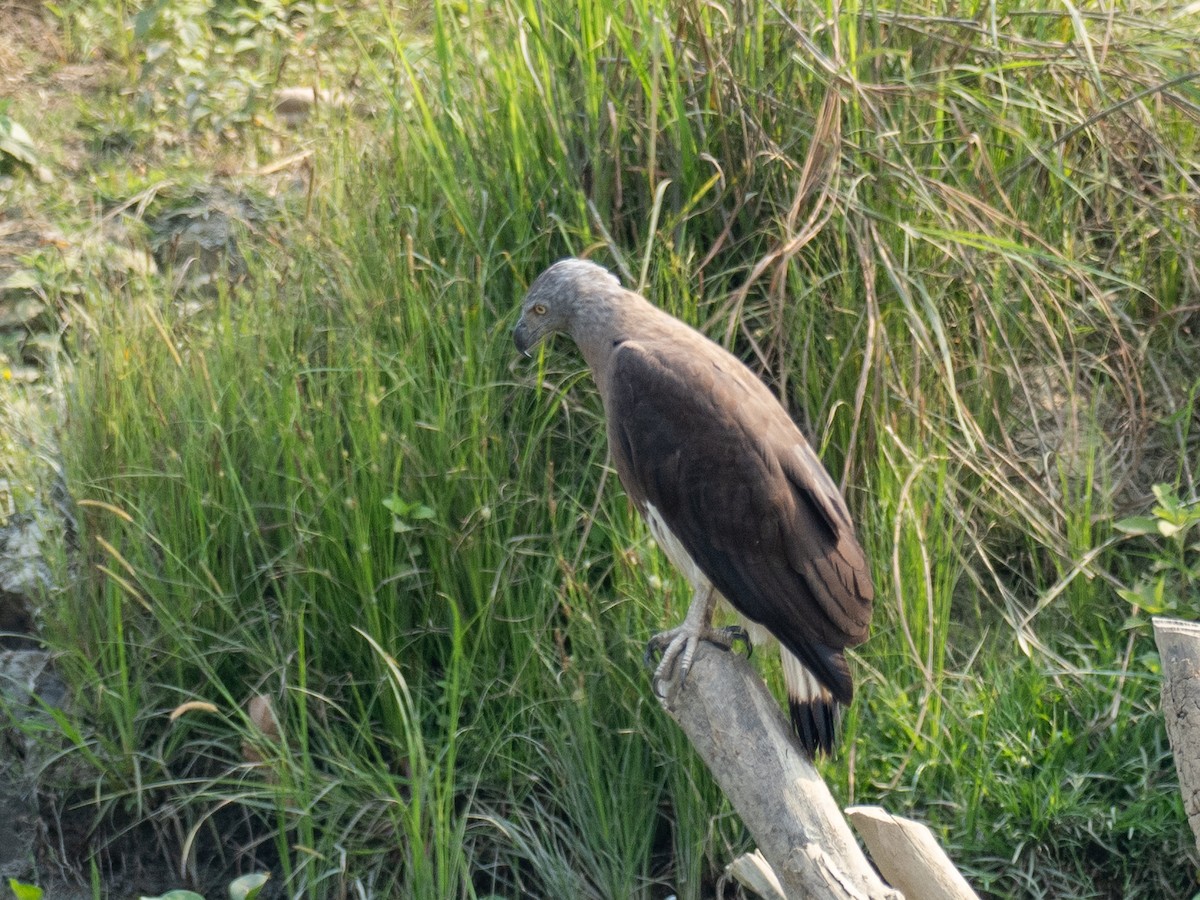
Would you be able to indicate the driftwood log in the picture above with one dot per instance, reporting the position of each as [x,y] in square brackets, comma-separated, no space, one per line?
[1179,649]
[739,730]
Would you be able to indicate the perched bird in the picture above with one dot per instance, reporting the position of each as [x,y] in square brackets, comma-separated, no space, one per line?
[731,490]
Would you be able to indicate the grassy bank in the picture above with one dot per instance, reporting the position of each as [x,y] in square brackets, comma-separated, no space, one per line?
[962,248]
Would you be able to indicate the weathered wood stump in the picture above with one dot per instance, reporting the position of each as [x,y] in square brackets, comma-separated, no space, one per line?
[1179,649]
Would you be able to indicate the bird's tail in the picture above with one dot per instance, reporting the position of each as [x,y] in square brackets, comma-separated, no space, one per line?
[813,708]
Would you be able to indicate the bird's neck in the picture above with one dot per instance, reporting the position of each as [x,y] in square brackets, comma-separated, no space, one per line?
[605,326]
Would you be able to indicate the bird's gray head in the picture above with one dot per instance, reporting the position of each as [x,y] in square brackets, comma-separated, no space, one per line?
[563,299]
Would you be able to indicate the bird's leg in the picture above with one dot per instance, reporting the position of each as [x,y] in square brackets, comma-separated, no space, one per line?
[679,644]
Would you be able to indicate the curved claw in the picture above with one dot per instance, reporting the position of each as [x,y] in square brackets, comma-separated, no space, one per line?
[679,645]
[655,645]
[732,635]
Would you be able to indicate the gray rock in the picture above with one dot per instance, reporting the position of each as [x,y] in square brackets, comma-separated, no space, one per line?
[200,239]
[23,568]
[26,683]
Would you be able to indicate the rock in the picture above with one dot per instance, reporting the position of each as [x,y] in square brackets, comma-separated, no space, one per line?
[293,105]
[199,240]
[24,575]
[16,622]
[40,349]
[23,568]
[26,682]
[20,312]
[18,825]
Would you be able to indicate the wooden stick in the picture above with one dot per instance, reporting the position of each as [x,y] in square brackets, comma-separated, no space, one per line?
[751,870]
[909,856]
[739,731]
[1179,649]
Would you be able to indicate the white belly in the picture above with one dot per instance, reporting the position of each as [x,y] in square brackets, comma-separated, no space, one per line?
[682,560]
[670,545]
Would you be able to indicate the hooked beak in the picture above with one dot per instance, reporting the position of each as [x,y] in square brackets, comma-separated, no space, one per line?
[524,338]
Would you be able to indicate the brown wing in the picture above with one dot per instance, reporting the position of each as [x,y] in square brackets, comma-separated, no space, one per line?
[698,436]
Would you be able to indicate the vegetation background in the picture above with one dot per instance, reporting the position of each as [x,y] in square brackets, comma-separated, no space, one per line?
[351,596]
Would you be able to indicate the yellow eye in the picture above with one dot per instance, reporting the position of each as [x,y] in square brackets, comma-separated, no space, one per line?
[539,309]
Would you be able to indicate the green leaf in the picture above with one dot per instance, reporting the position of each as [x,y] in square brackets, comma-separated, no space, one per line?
[1134,623]
[1148,596]
[1170,508]
[20,280]
[1138,596]
[16,143]
[1138,525]
[24,891]
[248,886]
[1169,529]
[1159,606]
[396,504]
[176,895]
[145,19]
[1165,494]
[1150,661]
[402,510]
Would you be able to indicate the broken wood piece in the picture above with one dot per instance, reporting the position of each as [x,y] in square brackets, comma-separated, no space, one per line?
[909,856]
[753,872]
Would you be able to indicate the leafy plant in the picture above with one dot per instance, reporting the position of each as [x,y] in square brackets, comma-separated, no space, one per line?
[17,149]
[245,887]
[1171,585]
[405,513]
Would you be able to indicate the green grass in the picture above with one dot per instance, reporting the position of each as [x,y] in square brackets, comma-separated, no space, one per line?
[963,250]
